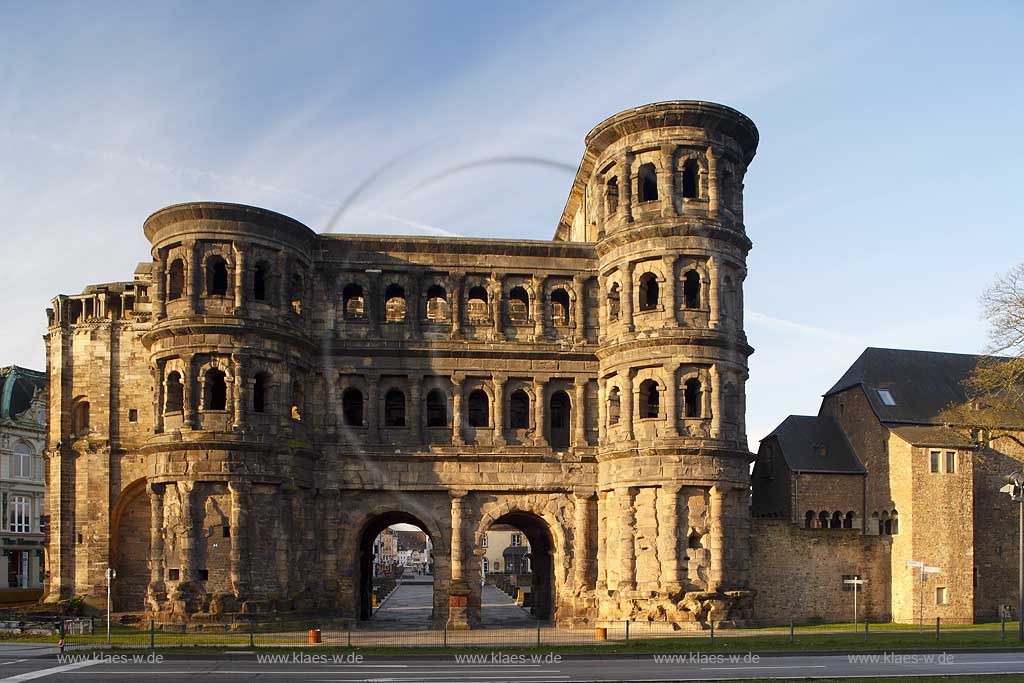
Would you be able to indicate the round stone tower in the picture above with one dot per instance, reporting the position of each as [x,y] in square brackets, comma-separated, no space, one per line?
[663,200]
[229,352]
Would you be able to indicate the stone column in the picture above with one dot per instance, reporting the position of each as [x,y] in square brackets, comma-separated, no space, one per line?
[627,297]
[193,276]
[187,542]
[415,408]
[282,281]
[156,374]
[373,408]
[671,305]
[159,297]
[579,284]
[716,574]
[499,409]
[238,393]
[239,527]
[712,183]
[540,430]
[459,591]
[602,410]
[457,411]
[667,189]
[456,307]
[714,318]
[580,439]
[712,402]
[188,403]
[240,265]
[538,307]
[374,303]
[626,200]
[602,544]
[671,400]
[626,407]
[581,538]
[669,523]
[496,306]
[627,548]
[413,307]
[157,591]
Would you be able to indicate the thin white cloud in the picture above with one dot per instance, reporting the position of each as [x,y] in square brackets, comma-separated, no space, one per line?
[802,329]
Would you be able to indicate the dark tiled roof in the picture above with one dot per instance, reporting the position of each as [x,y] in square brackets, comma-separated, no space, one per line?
[17,387]
[800,435]
[926,435]
[922,383]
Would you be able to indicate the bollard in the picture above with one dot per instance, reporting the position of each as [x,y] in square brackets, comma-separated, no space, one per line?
[938,622]
[600,633]
[792,635]
[314,636]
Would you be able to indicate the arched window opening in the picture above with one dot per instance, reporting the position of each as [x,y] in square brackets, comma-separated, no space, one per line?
[691,289]
[260,281]
[476,305]
[175,397]
[259,392]
[437,303]
[884,525]
[895,522]
[693,540]
[176,280]
[437,409]
[394,408]
[298,400]
[648,292]
[352,407]
[823,519]
[353,303]
[613,303]
[394,304]
[614,406]
[650,401]
[837,520]
[519,410]
[216,276]
[561,419]
[809,520]
[612,194]
[518,305]
[647,183]
[692,398]
[295,291]
[560,307]
[80,419]
[478,408]
[848,520]
[690,186]
[215,390]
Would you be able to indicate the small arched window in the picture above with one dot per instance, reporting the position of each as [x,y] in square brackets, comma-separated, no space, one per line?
[518,305]
[353,302]
[613,303]
[296,288]
[691,188]
[614,406]
[437,303]
[80,419]
[215,390]
[648,292]
[261,281]
[216,276]
[519,410]
[560,411]
[692,398]
[612,194]
[437,409]
[352,407]
[176,280]
[895,522]
[298,400]
[823,519]
[848,520]
[175,397]
[394,408]
[647,183]
[693,540]
[809,519]
[476,305]
[691,289]
[478,404]
[560,307]
[650,402]
[394,304]
[260,389]
[837,520]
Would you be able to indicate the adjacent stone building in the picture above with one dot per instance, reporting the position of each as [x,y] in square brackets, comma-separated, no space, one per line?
[260,400]
[22,485]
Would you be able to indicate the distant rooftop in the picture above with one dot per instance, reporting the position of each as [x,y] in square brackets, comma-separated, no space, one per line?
[17,388]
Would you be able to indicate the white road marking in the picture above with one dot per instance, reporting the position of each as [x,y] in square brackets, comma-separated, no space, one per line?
[43,673]
[758,668]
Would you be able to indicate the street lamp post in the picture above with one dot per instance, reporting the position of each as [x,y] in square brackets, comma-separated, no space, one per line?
[925,571]
[855,581]
[1015,488]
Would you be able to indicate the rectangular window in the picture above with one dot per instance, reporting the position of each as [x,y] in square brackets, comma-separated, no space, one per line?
[133,415]
[483,542]
[204,574]
[935,462]
[173,574]
[19,517]
[950,462]
[21,463]
[517,540]
[940,595]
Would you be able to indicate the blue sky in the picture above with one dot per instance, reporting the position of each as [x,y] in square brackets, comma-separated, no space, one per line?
[885,194]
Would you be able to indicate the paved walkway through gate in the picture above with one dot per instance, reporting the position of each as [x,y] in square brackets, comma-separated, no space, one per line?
[411,606]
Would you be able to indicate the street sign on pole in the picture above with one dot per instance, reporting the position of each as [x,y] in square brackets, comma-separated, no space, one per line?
[925,571]
[855,581]
[111,575]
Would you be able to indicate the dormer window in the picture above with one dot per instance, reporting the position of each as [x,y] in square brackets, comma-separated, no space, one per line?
[821,450]
[886,397]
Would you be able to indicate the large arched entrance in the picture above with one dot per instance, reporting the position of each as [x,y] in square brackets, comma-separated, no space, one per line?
[518,555]
[129,550]
[396,552]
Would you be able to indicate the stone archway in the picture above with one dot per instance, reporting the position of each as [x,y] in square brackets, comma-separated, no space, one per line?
[365,559]
[129,549]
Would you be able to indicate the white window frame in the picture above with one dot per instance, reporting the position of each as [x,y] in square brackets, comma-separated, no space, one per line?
[19,514]
[21,461]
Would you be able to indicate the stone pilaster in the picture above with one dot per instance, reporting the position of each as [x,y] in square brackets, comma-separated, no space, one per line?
[712,183]
[456,307]
[579,284]
[716,575]
[669,525]
[538,307]
[414,307]
[416,411]
[667,181]
[581,538]
[712,400]
[459,591]
[159,296]
[156,593]
[580,438]
[539,412]
[240,266]
[194,279]
[627,198]
[671,305]
[373,408]
[671,400]
[457,411]
[626,405]
[602,542]
[496,293]
[626,302]
[374,303]
[714,300]
[238,393]
[239,526]
[626,539]
[602,410]
[499,409]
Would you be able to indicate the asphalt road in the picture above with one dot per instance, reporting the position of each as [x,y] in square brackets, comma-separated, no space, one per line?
[498,667]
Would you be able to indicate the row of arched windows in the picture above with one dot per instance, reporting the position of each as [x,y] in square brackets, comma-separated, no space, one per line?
[888,522]
[647,184]
[650,401]
[827,520]
[216,281]
[650,294]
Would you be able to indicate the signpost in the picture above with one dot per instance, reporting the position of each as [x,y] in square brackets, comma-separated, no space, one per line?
[855,581]
[925,571]
[111,575]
